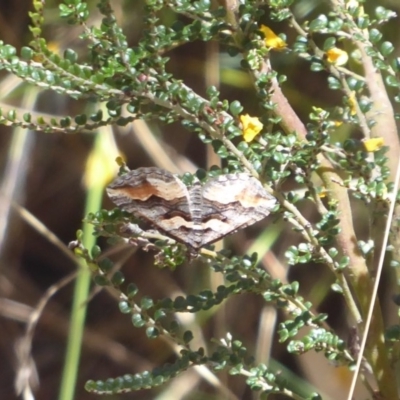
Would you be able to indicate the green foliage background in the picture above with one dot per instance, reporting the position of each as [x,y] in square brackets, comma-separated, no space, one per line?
[46,171]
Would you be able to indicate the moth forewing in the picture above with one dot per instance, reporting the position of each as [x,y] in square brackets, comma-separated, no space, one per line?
[195,216]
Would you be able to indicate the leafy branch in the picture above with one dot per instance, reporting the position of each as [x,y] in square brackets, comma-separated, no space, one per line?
[277,146]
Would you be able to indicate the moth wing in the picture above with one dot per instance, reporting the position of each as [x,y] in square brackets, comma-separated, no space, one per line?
[232,202]
[195,216]
[156,196]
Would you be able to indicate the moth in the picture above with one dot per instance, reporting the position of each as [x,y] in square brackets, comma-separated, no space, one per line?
[197,215]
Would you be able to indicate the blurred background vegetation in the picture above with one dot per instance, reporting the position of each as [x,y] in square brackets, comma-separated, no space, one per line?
[44,173]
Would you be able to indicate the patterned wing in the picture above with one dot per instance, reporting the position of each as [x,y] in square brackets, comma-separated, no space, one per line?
[232,202]
[156,196]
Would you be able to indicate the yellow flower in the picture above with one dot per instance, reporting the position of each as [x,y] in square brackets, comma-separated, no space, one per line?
[352,103]
[272,40]
[373,144]
[323,193]
[54,47]
[251,127]
[337,56]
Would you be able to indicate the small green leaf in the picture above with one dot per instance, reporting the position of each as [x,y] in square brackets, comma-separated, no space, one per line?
[138,321]
[363,21]
[101,280]
[317,66]
[320,23]
[27,117]
[236,108]
[375,35]
[81,119]
[393,333]
[11,115]
[26,53]
[334,83]
[333,252]
[295,287]
[65,122]
[132,290]
[392,81]
[344,262]
[383,13]
[329,43]
[106,265]
[146,303]
[159,314]
[336,288]
[124,307]
[118,278]
[152,332]
[386,48]
[71,55]
[96,251]
[97,117]
[180,303]
[188,336]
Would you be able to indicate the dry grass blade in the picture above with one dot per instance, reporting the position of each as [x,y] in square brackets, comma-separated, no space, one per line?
[25,366]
